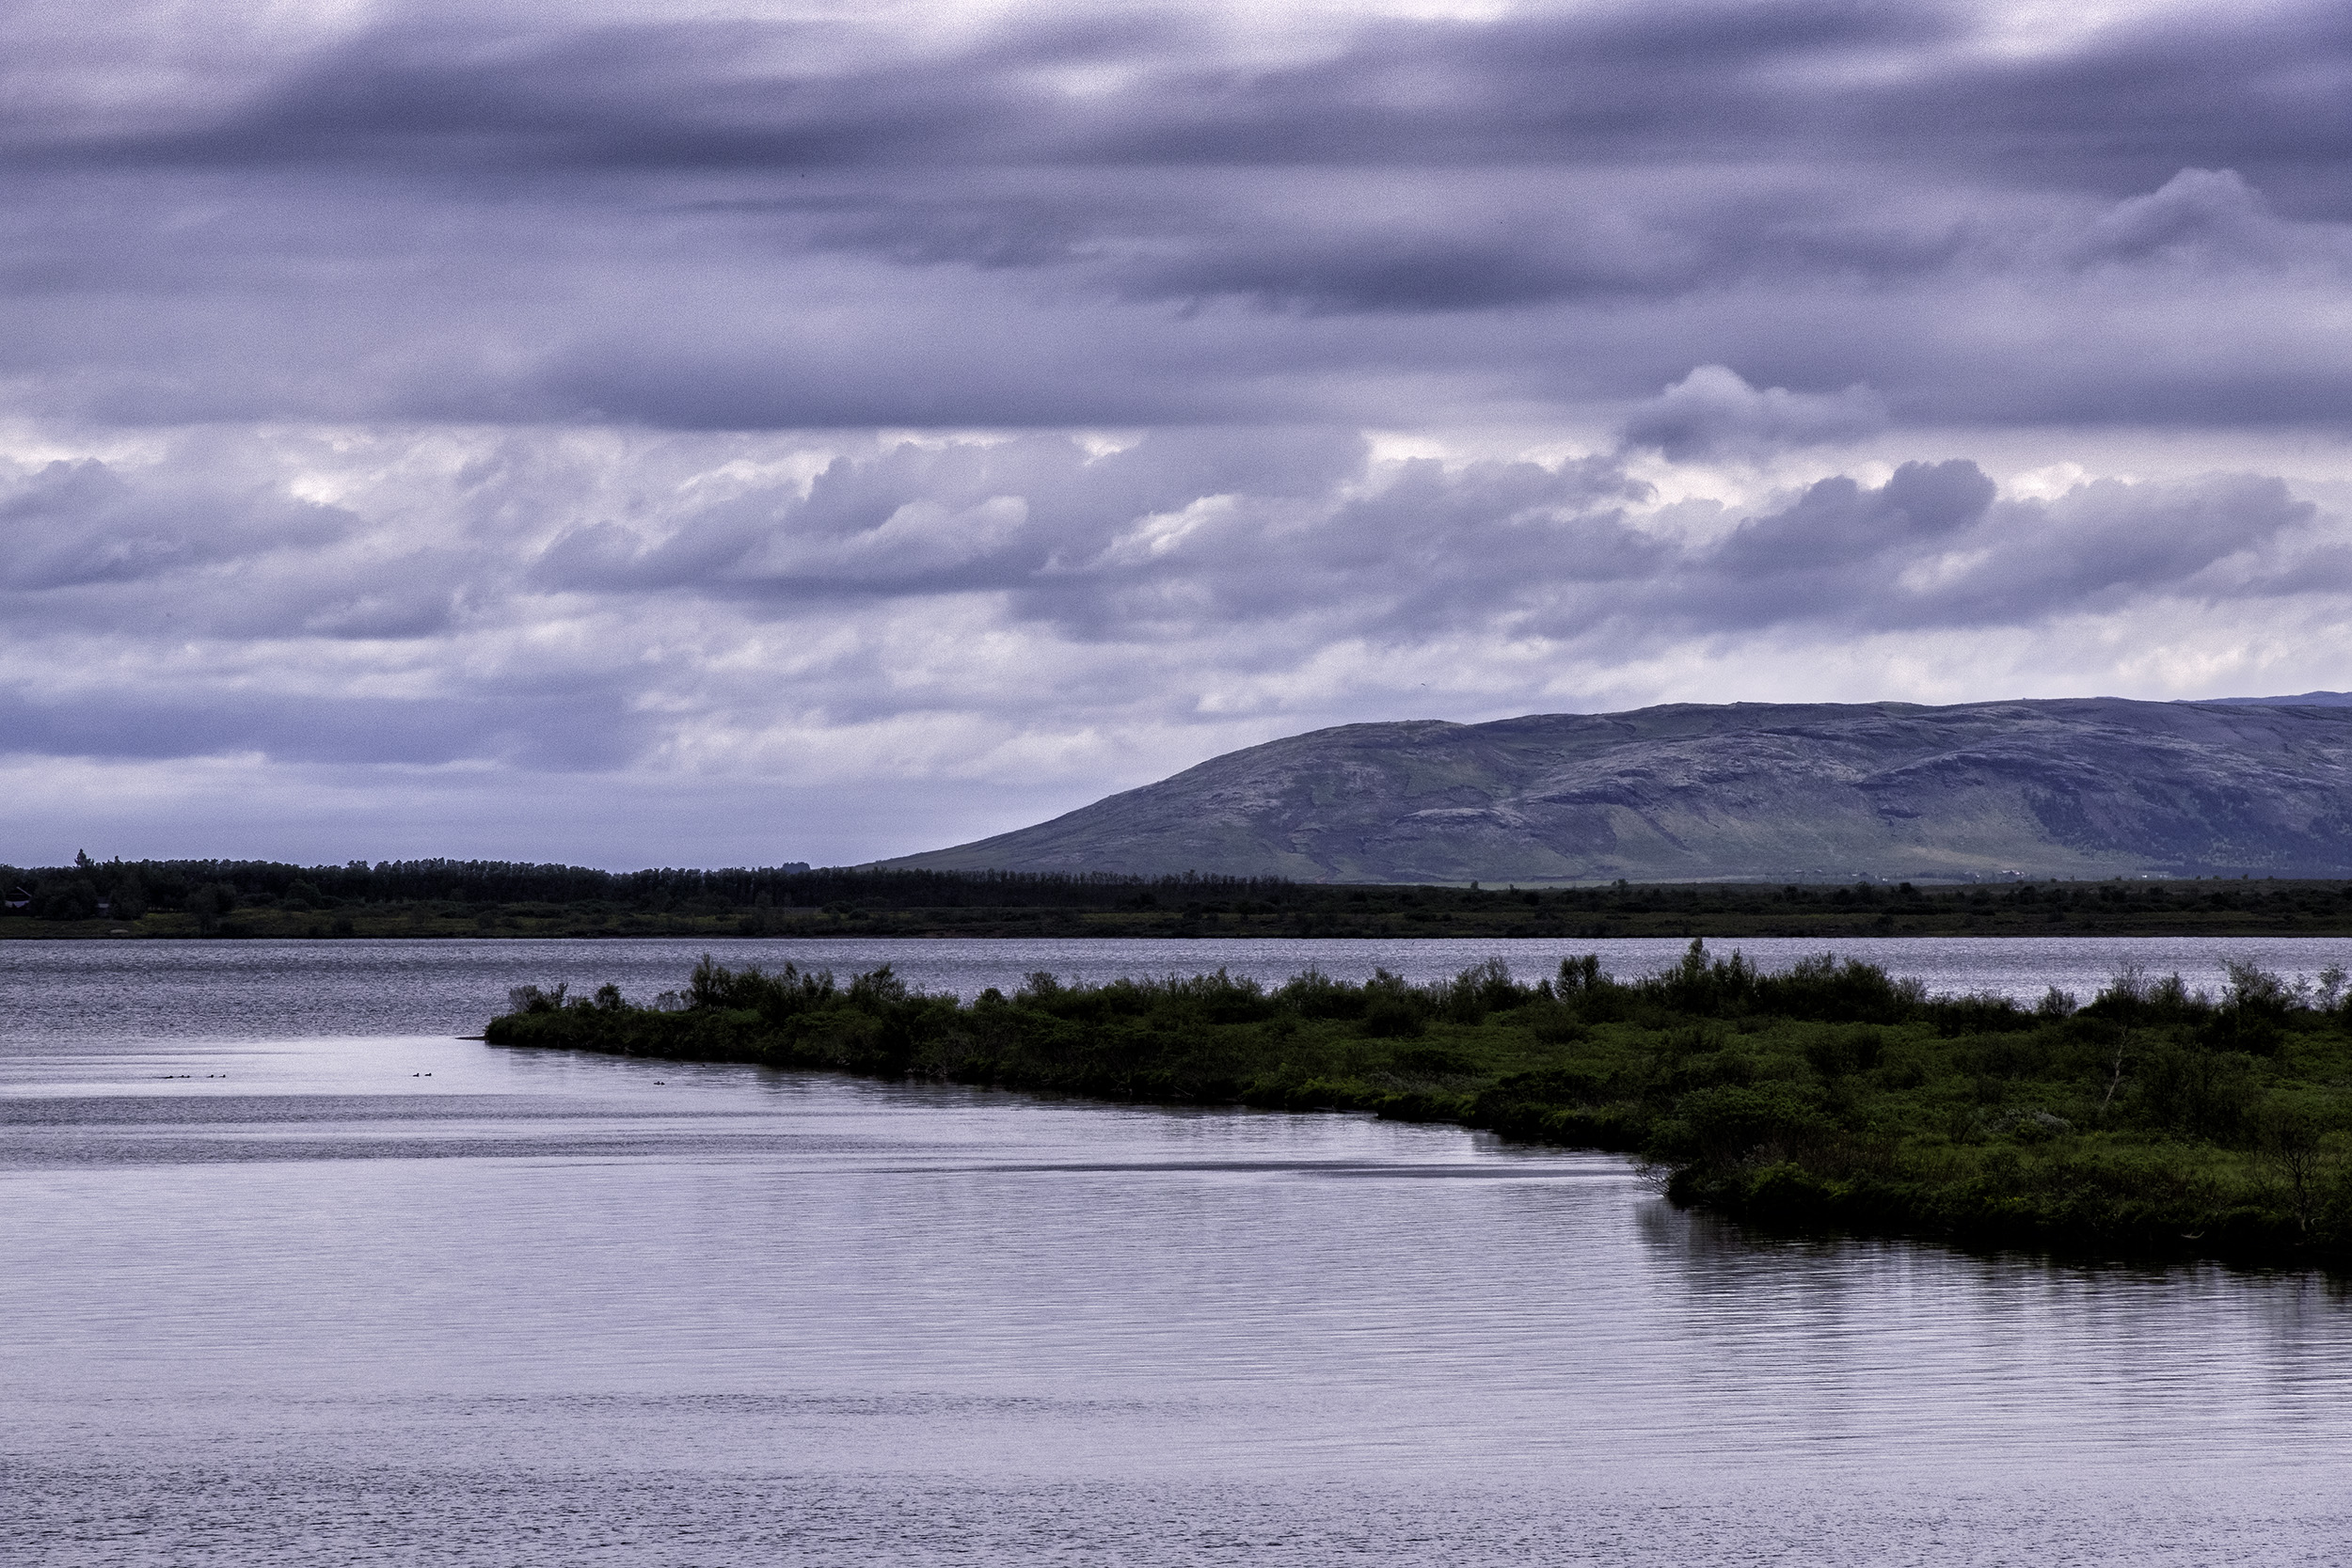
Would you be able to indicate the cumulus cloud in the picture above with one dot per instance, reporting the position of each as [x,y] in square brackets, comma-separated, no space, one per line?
[72,523]
[2210,215]
[1931,547]
[986,606]
[1713,411]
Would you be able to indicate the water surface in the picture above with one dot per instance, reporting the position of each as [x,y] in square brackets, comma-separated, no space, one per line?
[288,1282]
[88,992]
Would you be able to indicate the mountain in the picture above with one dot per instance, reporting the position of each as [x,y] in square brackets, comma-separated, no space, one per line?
[2308,699]
[1778,792]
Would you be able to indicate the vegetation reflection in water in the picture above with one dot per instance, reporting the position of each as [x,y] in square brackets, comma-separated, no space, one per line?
[2155,1120]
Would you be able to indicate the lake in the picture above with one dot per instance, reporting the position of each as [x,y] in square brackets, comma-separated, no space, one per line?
[294,1276]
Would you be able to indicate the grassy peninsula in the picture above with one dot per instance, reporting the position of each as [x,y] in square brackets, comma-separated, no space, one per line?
[2153,1121]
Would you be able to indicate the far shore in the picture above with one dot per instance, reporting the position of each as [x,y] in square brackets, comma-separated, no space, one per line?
[2208,908]
[119,900]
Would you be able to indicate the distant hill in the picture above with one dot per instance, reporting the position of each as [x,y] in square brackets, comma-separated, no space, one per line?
[1778,792]
[2308,699]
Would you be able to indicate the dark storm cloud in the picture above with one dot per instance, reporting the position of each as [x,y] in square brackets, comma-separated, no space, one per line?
[2258,88]
[738,225]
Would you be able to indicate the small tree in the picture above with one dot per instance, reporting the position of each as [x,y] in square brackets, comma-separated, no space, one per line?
[2289,1142]
[532,999]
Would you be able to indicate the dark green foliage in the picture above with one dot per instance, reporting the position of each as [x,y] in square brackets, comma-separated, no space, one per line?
[1852,992]
[1316,995]
[1835,1053]
[531,1000]
[2004,1055]
[169,883]
[129,900]
[1394,1010]
[2188,1089]
[1432,1061]
[1975,1015]
[1698,987]
[1483,989]
[1724,1126]
[211,900]
[66,898]
[776,997]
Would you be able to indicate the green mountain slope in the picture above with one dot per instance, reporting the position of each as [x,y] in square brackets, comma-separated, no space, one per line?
[2077,787]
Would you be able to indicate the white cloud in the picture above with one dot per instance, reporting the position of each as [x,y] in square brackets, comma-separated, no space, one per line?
[1037,619]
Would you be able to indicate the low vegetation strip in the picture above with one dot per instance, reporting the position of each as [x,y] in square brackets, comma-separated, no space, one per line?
[232,900]
[2154,1120]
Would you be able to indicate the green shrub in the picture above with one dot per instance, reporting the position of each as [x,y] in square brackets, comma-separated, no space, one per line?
[1432,1061]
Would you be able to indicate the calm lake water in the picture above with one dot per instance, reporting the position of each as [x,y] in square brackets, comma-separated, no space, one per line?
[289,1275]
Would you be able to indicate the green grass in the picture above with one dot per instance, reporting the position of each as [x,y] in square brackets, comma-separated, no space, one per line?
[2152,1121]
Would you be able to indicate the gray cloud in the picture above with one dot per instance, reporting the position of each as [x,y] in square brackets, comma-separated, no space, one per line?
[957,517]
[492,391]
[1183,560]
[709,224]
[1931,548]
[527,729]
[1712,410]
[1838,524]
[2126,105]
[68,524]
[2203,215]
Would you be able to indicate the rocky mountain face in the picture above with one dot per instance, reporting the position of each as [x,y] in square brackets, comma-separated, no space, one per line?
[1777,792]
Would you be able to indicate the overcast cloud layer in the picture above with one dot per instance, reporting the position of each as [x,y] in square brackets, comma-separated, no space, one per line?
[674,433]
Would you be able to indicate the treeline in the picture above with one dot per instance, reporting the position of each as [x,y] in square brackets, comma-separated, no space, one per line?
[2154,1119]
[428,897]
[128,889]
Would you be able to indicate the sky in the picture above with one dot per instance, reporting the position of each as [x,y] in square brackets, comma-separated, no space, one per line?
[731,433]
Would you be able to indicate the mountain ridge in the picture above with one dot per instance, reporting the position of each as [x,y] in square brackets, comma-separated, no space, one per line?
[2087,786]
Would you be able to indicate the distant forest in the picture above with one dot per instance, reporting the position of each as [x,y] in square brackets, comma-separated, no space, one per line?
[504,898]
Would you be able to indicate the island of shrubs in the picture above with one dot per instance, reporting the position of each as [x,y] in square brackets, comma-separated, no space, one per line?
[2154,1120]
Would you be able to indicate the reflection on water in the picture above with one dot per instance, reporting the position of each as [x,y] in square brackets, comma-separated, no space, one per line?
[282,1297]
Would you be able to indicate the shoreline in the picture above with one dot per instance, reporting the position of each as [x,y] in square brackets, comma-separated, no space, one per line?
[455,927]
